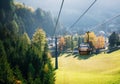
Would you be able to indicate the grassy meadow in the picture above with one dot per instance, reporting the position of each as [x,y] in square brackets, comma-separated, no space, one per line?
[96,69]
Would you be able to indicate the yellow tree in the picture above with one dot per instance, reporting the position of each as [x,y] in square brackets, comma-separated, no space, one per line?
[90,37]
[61,43]
[100,42]
[39,39]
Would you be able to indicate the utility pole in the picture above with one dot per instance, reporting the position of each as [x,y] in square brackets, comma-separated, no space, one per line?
[56,54]
[54,34]
[88,40]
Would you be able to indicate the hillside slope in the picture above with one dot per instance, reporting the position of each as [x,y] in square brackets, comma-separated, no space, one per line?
[97,69]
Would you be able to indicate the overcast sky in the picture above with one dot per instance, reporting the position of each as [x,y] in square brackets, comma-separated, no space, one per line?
[72,9]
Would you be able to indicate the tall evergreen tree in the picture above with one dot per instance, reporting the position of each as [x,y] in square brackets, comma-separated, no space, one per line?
[39,39]
[113,39]
[6,75]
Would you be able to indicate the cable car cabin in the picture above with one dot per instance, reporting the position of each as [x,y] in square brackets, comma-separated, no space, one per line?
[84,49]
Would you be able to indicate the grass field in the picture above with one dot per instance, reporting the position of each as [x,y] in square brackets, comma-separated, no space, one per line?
[96,69]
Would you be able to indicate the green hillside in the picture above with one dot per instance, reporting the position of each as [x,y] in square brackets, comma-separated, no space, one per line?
[97,69]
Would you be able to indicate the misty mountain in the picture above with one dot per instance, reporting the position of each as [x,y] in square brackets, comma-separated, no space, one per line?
[100,12]
[29,19]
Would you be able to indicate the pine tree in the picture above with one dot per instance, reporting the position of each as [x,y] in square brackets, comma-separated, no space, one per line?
[26,38]
[113,39]
[18,75]
[6,75]
[39,39]
[48,70]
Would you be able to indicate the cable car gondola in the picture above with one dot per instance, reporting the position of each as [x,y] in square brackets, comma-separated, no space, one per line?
[84,49]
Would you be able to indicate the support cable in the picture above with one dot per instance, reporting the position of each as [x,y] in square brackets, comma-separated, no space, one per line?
[82,14]
[54,34]
[58,18]
[112,18]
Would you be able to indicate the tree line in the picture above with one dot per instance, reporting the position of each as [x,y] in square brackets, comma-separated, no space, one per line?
[69,42]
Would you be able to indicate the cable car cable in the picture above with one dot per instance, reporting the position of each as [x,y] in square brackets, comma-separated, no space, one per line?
[82,14]
[112,18]
[58,18]
[56,51]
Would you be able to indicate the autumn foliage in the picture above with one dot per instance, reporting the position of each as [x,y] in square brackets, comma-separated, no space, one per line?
[100,42]
[97,41]
[91,37]
[61,43]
